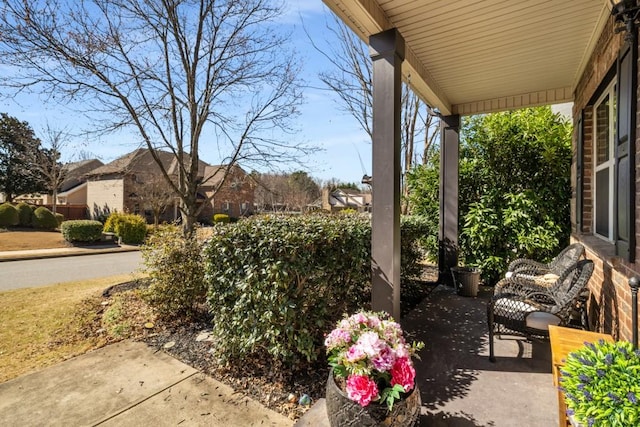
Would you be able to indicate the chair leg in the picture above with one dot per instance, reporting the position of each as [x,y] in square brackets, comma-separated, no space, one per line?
[492,358]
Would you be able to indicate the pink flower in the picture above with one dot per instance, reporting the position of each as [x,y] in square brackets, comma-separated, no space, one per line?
[355,353]
[403,373]
[358,318]
[402,351]
[336,338]
[385,359]
[373,322]
[361,389]
[371,343]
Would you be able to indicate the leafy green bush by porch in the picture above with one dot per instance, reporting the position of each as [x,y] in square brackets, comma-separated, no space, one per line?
[81,230]
[25,214]
[514,189]
[130,228]
[8,215]
[176,271]
[59,218]
[277,283]
[44,218]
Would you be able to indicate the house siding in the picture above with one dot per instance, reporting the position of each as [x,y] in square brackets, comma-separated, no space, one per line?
[609,304]
[104,196]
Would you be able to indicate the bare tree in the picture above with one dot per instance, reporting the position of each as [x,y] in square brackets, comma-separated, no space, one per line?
[285,191]
[156,195]
[46,161]
[180,73]
[351,80]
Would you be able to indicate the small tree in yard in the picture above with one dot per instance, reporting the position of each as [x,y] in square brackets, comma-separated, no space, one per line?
[18,171]
[156,195]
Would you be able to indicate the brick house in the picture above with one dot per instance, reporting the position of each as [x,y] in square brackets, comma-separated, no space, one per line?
[121,185]
[73,190]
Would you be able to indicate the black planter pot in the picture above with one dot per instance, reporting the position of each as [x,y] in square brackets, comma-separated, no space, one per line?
[344,412]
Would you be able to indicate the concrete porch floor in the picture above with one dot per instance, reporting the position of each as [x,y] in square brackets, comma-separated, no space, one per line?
[459,386]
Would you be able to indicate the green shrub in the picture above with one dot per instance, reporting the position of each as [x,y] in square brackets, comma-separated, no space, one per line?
[277,283]
[44,218]
[130,228]
[176,272]
[414,234]
[25,214]
[59,218]
[82,230]
[8,215]
[223,218]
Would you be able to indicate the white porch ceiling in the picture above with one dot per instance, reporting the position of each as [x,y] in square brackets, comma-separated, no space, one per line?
[476,56]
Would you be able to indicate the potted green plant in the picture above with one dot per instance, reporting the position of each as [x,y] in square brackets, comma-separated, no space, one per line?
[372,380]
[601,384]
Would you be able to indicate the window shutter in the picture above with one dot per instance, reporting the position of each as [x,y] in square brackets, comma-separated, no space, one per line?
[624,203]
[579,173]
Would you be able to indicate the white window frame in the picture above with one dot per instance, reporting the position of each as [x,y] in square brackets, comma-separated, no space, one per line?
[609,164]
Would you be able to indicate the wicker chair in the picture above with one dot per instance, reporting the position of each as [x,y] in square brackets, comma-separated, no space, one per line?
[565,259]
[522,308]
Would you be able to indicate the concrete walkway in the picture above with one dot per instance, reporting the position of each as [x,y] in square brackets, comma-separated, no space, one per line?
[62,252]
[127,384]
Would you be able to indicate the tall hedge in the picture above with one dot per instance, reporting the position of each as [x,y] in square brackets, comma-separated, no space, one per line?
[8,215]
[44,218]
[25,214]
[276,284]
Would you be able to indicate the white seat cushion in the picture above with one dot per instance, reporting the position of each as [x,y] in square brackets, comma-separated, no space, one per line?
[541,320]
[503,307]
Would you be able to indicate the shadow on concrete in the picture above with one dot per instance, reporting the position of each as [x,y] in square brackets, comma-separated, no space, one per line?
[458,384]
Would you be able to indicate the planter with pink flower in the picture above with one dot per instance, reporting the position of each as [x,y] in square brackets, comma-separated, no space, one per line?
[372,380]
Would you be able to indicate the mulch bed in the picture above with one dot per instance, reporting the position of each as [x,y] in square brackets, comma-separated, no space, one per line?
[274,386]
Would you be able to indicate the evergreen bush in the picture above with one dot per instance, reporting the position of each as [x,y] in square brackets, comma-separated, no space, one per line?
[44,218]
[277,283]
[25,214]
[8,215]
[130,228]
[222,218]
[176,273]
[59,218]
[82,230]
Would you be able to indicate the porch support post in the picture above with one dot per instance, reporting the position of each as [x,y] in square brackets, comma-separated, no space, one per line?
[448,228]
[387,53]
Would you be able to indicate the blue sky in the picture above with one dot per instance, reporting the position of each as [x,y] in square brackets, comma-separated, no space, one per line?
[321,123]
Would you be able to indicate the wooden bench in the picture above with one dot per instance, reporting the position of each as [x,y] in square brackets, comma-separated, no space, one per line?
[564,341]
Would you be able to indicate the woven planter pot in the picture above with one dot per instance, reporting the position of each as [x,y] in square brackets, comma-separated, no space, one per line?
[467,280]
[344,412]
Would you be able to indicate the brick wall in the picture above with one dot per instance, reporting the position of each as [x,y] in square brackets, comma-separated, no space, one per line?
[610,301]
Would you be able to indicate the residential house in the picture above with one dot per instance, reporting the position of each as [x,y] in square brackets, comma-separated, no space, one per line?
[71,198]
[234,197]
[465,58]
[123,186]
[340,199]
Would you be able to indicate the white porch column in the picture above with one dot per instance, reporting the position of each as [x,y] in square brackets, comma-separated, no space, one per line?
[387,53]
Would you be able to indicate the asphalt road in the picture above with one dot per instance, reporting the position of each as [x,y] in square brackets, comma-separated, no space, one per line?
[43,272]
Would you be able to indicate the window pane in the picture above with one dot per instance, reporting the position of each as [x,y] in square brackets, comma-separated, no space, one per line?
[602,131]
[602,202]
